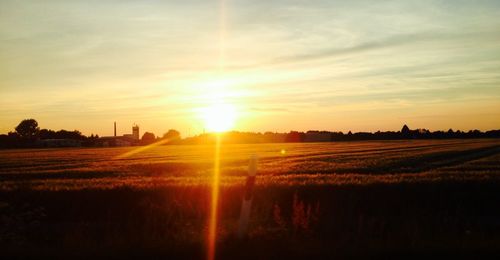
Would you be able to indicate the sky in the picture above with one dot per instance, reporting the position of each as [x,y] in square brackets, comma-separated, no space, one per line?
[280,65]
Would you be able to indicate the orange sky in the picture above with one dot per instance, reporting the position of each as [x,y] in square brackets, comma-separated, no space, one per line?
[287,65]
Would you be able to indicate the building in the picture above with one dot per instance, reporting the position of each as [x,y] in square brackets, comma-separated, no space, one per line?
[124,140]
[111,141]
[135,132]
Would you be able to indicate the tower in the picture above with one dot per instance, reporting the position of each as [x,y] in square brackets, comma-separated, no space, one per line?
[135,132]
[115,128]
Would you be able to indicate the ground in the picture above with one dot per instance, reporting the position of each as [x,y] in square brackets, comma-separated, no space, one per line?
[374,198]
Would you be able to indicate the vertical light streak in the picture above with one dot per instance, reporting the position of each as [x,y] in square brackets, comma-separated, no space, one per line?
[212,227]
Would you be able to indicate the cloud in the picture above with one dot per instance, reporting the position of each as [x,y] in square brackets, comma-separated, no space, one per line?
[152,59]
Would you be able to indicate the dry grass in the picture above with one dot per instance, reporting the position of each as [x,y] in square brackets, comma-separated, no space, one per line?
[302,164]
[330,198]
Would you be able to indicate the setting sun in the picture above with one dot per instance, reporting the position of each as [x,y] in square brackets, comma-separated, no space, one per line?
[219,117]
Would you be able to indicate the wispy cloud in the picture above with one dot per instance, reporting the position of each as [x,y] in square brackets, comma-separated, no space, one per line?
[153,61]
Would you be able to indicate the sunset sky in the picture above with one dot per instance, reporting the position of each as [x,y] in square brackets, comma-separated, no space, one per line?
[286,65]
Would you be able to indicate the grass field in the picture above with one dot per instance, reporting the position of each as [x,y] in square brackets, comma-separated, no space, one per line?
[346,199]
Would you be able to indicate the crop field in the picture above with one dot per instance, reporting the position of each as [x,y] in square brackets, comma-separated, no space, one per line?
[346,199]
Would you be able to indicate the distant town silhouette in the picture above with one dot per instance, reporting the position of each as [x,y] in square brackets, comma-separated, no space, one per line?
[28,135]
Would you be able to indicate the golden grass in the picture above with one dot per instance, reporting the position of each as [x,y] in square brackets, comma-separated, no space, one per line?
[355,163]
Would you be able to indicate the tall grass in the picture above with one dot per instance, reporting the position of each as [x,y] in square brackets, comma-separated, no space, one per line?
[319,200]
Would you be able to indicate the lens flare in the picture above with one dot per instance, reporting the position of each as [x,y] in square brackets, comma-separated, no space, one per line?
[224,122]
[212,225]
[142,149]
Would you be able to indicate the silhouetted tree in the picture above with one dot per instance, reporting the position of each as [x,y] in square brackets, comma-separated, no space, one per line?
[28,129]
[295,137]
[75,134]
[47,134]
[148,138]
[61,134]
[405,130]
[172,135]
[9,140]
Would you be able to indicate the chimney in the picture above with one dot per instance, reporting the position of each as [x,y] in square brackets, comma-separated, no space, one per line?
[115,129]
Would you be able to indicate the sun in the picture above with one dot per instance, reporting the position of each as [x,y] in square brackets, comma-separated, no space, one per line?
[219,117]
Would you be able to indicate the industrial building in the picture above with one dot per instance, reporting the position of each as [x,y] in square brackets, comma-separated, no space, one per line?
[124,140]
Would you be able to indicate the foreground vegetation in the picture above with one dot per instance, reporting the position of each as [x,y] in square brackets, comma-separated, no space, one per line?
[321,200]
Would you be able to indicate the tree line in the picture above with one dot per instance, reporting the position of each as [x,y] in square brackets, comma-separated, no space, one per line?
[328,136]
[28,134]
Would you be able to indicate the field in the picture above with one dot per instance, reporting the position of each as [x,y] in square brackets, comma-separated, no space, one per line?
[348,199]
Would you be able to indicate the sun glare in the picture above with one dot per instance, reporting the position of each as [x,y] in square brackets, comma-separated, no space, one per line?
[219,117]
